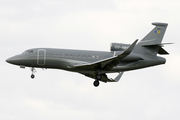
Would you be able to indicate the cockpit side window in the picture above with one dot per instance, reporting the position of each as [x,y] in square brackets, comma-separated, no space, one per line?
[28,52]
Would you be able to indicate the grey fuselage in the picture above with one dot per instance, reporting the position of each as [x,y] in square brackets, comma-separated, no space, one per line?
[65,59]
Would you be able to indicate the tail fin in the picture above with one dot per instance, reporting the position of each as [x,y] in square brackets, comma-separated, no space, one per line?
[150,45]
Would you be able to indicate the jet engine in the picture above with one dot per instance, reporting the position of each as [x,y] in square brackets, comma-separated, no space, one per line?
[118,46]
[122,47]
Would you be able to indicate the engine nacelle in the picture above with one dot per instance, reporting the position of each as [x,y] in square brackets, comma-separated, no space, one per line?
[119,46]
[122,47]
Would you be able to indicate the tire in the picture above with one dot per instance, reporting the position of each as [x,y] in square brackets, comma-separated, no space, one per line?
[32,76]
[96,83]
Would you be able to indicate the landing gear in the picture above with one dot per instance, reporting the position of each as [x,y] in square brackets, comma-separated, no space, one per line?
[96,83]
[32,76]
[99,77]
[33,71]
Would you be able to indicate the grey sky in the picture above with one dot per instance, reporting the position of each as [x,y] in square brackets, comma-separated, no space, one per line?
[151,93]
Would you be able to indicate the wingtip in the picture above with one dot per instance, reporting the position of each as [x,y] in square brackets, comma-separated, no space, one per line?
[134,43]
[136,40]
[129,49]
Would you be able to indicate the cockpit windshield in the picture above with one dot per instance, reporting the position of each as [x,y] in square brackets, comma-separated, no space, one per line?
[28,52]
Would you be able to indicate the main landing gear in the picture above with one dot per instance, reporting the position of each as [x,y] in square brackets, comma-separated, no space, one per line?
[33,71]
[96,82]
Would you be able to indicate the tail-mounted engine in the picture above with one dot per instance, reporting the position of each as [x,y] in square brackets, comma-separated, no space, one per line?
[118,46]
[122,47]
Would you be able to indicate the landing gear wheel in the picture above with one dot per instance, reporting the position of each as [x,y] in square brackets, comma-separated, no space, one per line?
[96,83]
[32,76]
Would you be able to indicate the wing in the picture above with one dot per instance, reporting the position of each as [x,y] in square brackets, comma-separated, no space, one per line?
[108,63]
[104,77]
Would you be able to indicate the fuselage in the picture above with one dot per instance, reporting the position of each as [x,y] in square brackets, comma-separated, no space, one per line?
[65,59]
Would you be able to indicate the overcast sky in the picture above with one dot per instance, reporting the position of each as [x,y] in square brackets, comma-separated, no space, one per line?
[146,94]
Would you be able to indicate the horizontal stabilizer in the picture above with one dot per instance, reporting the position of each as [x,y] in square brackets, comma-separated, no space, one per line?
[161,51]
[162,44]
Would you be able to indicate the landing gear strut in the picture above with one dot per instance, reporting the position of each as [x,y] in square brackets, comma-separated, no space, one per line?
[33,71]
[96,82]
[99,77]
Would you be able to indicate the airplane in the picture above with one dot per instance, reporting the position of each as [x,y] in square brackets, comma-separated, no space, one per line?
[96,64]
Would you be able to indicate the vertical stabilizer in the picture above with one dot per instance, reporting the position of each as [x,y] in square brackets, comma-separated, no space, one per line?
[150,44]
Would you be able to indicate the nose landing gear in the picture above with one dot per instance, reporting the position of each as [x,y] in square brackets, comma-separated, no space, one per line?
[33,72]
[32,76]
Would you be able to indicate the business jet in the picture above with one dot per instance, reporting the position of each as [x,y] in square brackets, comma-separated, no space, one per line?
[96,64]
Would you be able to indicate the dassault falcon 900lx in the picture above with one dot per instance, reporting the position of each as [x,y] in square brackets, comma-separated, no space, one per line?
[95,64]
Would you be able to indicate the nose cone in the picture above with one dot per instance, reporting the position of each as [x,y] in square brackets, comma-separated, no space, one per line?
[13,60]
[10,60]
